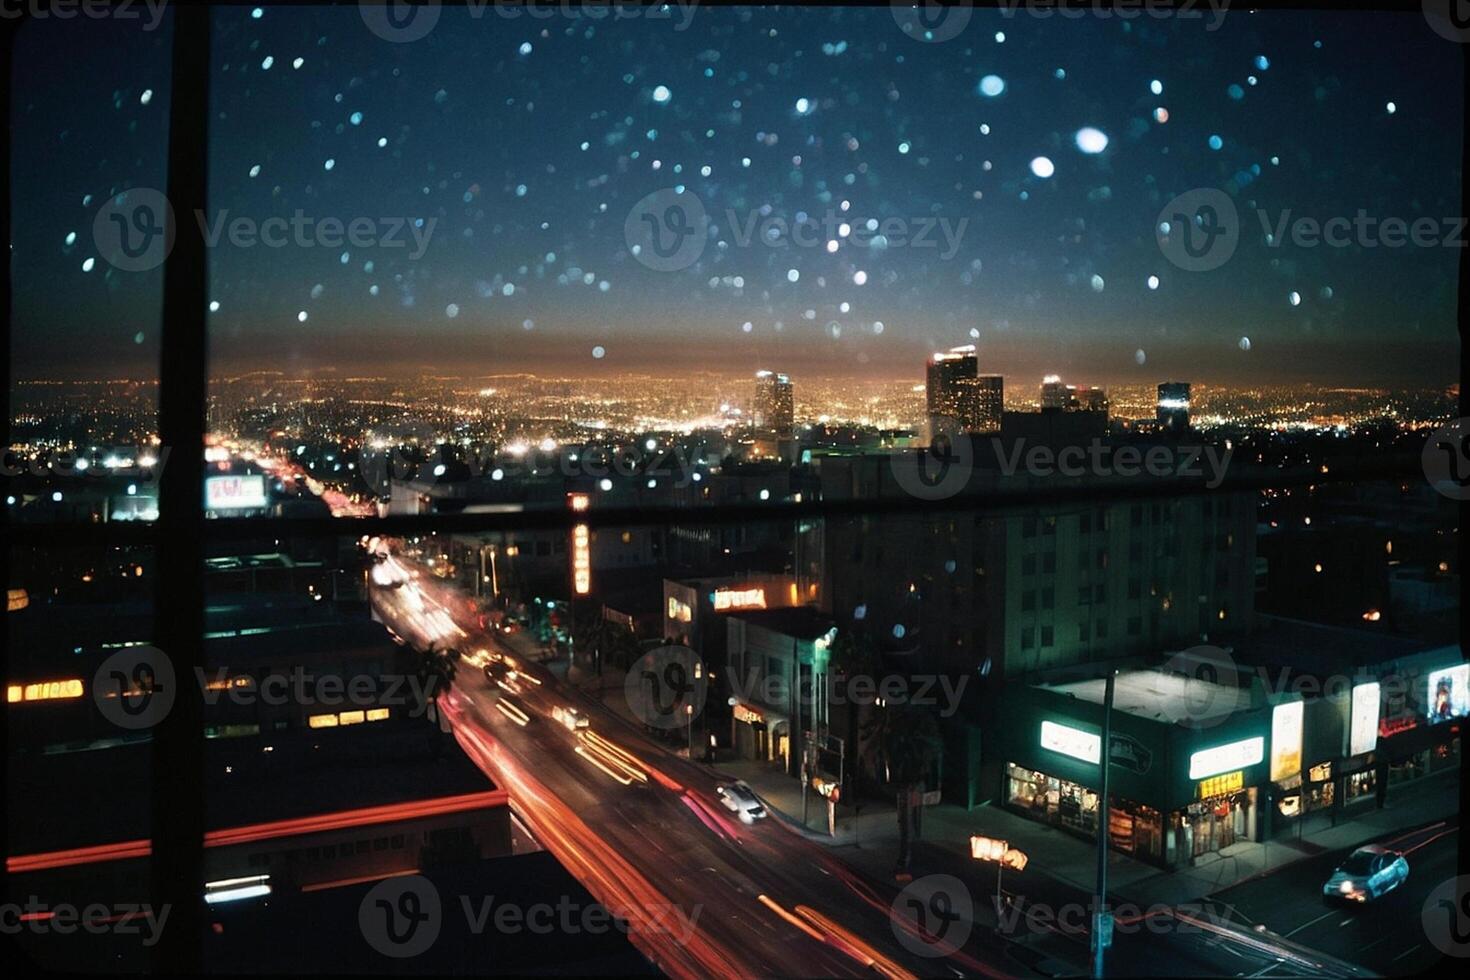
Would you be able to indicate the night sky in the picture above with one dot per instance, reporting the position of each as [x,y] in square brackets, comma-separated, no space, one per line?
[527,142]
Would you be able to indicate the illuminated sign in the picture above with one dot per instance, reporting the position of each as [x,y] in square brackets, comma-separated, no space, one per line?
[581,560]
[739,598]
[1286,740]
[679,612]
[44,691]
[16,600]
[998,851]
[1448,694]
[1363,731]
[1222,785]
[235,492]
[748,716]
[1223,758]
[1074,742]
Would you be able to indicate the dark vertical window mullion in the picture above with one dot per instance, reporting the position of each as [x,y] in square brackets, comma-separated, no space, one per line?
[178,740]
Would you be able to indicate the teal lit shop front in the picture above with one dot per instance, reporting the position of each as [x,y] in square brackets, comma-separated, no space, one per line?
[1181,788]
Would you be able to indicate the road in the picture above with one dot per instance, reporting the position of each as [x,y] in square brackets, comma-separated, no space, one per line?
[1385,936]
[645,832]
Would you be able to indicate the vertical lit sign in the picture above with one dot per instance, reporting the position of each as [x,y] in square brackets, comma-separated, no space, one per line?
[1363,732]
[581,547]
[1286,740]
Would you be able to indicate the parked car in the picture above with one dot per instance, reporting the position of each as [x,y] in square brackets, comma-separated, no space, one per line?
[741,799]
[1367,874]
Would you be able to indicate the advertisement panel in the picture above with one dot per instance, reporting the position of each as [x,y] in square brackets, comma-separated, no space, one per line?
[1286,740]
[235,492]
[1363,726]
[1448,693]
[1070,741]
[1223,758]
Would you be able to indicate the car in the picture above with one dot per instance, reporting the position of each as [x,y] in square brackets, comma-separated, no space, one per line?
[741,799]
[1367,874]
[569,718]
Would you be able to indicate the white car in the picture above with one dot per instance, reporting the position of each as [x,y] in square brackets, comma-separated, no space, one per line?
[741,799]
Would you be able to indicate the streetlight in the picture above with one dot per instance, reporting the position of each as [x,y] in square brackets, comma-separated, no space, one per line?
[999,853]
[1102,922]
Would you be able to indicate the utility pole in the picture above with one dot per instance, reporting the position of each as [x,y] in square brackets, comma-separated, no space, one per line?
[1102,926]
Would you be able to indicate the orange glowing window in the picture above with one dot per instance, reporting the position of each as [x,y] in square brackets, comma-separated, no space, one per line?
[322,721]
[62,690]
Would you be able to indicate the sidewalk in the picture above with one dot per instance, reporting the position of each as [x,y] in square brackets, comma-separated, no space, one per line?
[870,841]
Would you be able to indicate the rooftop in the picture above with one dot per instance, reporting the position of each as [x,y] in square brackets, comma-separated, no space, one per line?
[1161,696]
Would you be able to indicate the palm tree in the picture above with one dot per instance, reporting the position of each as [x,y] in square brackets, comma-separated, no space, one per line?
[436,670]
[910,742]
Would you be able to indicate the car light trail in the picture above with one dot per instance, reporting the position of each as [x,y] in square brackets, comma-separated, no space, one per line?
[770,904]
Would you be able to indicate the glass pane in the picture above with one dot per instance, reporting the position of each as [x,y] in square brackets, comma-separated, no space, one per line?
[89,125]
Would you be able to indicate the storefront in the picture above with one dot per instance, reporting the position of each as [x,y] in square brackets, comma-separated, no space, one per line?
[1177,793]
[759,733]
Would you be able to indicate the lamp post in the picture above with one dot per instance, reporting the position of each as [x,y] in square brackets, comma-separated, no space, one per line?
[1102,925]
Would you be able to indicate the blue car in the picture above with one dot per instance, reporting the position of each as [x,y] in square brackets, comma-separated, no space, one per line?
[1367,874]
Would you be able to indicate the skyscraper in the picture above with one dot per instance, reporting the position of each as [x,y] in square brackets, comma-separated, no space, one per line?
[774,412]
[1173,410]
[958,397]
[1056,395]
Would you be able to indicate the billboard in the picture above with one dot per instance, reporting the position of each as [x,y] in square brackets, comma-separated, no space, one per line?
[1223,758]
[1070,741]
[1286,740]
[1447,693]
[235,492]
[1363,729]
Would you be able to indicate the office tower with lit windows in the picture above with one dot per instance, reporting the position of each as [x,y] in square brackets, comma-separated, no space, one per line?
[958,397]
[1095,399]
[1056,396]
[1173,411]
[774,415]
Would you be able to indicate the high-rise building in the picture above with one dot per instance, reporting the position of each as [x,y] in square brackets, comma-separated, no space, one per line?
[958,397]
[1173,411]
[774,407]
[1095,399]
[990,402]
[1057,396]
